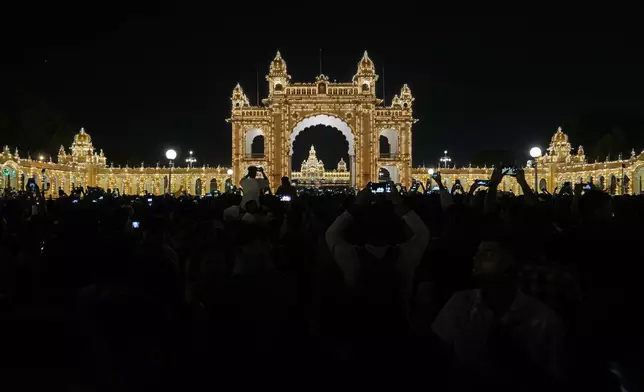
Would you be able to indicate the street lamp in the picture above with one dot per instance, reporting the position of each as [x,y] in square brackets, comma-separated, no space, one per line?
[535,152]
[191,160]
[445,159]
[171,155]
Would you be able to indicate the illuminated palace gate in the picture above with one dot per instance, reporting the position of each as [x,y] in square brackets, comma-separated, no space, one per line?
[352,108]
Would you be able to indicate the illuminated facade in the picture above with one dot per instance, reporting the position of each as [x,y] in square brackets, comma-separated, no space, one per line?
[82,166]
[312,172]
[557,166]
[352,108]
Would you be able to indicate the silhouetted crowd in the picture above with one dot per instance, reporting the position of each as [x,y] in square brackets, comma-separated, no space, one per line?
[450,290]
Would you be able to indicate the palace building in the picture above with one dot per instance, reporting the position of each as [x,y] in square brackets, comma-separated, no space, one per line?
[313,173]
[351,107]
[560,164]
[81,165]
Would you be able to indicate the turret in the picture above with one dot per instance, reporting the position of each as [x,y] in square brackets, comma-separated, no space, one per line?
[366,76]
[405,97]
[277,77]
[239,99]
[581,156]
[62,155]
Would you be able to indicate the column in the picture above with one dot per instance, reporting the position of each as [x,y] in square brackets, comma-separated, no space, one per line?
[279,155]
[352,169]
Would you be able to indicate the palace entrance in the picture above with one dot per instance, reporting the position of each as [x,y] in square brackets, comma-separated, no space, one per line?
[352,108]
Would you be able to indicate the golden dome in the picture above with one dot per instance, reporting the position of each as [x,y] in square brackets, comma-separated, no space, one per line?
[82,137]
[559,137]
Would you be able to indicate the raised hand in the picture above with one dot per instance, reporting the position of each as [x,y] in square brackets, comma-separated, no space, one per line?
[437,177]
[578,190]
[364,196]
[497,176]
[394,195]
[520,176]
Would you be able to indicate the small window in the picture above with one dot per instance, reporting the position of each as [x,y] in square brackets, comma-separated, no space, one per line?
[405,105]
[278,87]
[322,88]
[365,87]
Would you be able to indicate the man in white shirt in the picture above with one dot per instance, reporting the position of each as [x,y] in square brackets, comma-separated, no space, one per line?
[408,254]
[252,185]
[497,332]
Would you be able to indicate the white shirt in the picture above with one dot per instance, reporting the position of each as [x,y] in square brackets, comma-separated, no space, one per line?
[410,256]
[465,323]
[251,187]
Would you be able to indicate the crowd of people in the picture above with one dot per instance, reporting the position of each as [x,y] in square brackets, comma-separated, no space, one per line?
[454,290]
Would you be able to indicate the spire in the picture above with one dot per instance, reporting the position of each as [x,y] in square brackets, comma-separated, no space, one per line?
[239,98]
[278,66]
[406,97]
[366,76]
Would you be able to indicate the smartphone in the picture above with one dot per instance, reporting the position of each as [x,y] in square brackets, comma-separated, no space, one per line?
[483,182]
[208,194]
[457,184]
[435,175]
[587,187]
[136,224]
[379,187]
[509,171]
[75,201]
[285,198]
[414,187]
[100,198]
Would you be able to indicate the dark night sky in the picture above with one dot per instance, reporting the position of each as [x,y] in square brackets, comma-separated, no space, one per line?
[144,79]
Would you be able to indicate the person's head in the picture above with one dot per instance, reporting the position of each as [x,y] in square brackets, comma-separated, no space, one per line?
[595,206]
[253,251]
[379,226]
[285,181]
[494,266]
[252,171]
[251,207]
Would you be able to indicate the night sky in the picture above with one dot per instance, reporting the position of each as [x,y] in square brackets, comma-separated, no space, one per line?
[142,80]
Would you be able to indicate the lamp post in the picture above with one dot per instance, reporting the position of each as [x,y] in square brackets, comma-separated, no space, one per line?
[171,155]
[191,160]
[445,159]
[535,152]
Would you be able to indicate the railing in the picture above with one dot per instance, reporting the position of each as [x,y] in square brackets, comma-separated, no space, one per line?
[386,155]
[255,155]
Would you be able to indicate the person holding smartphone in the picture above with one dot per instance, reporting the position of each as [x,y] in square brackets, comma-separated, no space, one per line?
[252,185]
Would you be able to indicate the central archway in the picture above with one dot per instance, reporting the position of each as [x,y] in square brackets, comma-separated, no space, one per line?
[330,121]
[324,119]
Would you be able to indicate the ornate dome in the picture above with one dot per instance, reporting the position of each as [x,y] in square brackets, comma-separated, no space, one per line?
[559,137]
[82,137]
